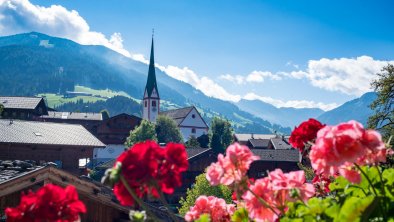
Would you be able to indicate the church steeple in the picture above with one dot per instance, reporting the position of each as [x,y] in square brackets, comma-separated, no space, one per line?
[151,100]
[151,84]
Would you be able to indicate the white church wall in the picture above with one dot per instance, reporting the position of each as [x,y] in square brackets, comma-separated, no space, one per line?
[187,132]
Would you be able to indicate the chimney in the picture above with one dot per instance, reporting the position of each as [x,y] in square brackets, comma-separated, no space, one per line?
[11,121]
[252,136]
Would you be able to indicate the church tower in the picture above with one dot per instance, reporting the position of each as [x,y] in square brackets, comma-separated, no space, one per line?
[151,100]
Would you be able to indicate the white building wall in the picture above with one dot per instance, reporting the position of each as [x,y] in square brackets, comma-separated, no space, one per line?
[187,132]
[111,151]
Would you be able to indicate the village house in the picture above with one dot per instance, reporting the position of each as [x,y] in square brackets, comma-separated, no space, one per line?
[70,146]
[25,108]
[21,176]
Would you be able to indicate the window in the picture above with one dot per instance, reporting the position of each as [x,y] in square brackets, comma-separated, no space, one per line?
[193,116]
[153,103]
[193,130]
[146,103]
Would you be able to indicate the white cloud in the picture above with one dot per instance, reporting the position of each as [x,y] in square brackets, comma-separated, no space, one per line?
[205,84]
[291,103]
[17,16]
[351,76]
[255,76]
[238,79]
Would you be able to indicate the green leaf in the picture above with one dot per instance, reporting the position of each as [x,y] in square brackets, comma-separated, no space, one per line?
[204,218]
[353,208]
[241,215]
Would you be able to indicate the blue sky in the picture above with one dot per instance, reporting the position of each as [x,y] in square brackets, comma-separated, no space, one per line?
[288,53]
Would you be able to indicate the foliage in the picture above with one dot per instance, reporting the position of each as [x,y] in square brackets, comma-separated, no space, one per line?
[202,187]
[167,130]
[192,142]
[105,113]
[115,105]
[383,119]
[372,201]
[203,140]
[221,134]
[145,131]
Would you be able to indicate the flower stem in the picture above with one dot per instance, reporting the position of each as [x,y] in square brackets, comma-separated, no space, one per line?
[366,176]
[164,201]
[137,199]
[261,200]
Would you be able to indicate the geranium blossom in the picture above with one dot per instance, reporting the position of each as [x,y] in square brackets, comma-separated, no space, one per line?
[49,203]
[304,133]
[267,197]
[215,207]
[231,168]
[338,147]
[147,167]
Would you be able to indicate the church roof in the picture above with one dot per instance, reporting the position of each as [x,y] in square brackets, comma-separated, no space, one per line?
[151,82]
[178,114]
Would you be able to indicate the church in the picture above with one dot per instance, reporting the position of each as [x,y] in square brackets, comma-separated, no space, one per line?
[188,119]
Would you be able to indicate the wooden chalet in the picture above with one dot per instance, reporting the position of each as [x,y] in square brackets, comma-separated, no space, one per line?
[19,177]
[25,108]
[64,144]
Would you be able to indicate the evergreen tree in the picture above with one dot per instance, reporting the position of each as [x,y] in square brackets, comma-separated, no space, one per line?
[202,187]
[192,142]
[383,119]
[203,140]
[221,134]
[145,131]
[167,130]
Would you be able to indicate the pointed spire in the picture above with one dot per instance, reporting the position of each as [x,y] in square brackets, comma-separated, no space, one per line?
[151,83]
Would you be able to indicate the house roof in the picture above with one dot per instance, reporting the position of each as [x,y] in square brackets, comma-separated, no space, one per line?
[281,144]
[292,155]
[32,132]
[122,114]
[259,143]
[73,115]
[178,114]
[244,137]
[191,153]
[16,102]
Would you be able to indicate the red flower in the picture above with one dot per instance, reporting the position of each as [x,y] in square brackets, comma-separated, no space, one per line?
[50,203]
[305,132]
[147,167]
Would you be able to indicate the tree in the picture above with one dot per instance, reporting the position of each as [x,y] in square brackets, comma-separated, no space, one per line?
[203,140]
[221,134]
[105,114]
[192,142]
[145,131]
[1,109]
[167,130]
[202,187]
[383,118]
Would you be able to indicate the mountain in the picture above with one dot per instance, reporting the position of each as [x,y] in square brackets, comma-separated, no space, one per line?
[283,116]
[357,109]
[33,63]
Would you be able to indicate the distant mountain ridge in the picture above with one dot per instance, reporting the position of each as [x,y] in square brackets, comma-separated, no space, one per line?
[35,63]
[289,117]
[357,109]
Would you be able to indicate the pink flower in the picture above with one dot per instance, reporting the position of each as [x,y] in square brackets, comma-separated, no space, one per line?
[338,147]
[214,173]
[258,208]
[233,167]
[215,207]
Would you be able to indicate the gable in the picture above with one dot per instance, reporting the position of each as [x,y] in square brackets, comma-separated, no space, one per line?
[193,118]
